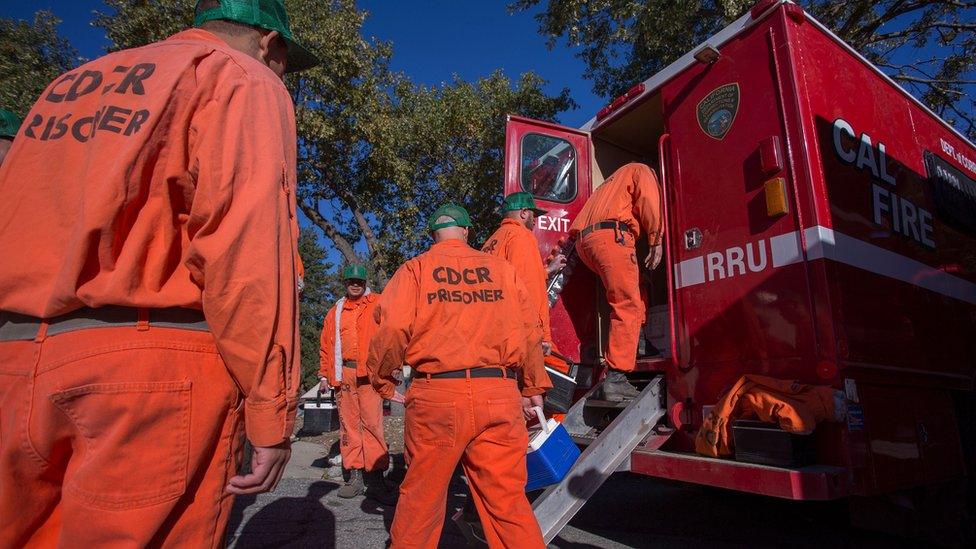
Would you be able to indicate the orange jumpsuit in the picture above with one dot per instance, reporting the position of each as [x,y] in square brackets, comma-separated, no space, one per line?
[795,407]
[362,444]
[155,177]
[454,308]
[516,244]
[630,196]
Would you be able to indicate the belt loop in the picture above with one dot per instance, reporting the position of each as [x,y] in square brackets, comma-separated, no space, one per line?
[41,332]
[142,324]
[428,377]
[504,372]
[467,374]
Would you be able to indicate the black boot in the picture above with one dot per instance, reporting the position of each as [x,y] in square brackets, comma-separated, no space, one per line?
[616,388]
[354,486]
[378,489]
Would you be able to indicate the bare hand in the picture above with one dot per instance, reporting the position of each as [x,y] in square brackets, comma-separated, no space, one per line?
[654,256]
[267,466]
[556,262]
[528,403]
[546,348]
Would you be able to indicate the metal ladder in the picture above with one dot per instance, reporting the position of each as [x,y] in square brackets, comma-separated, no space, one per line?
[602,457]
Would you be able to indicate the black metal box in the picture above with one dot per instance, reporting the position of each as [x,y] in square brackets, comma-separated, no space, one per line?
[321,415]
[766,443]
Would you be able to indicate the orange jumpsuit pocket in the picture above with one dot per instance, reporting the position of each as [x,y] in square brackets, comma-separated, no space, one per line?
[432,423]
[136,442]
[505,415]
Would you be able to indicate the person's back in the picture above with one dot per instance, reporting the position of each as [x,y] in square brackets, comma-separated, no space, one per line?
[101,199]
[472,317]
[148,293]
[464,323]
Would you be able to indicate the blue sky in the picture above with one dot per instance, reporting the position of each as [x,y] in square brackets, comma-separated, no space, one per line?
[432,41]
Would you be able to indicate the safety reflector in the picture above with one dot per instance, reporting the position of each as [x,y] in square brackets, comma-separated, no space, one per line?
[776,204]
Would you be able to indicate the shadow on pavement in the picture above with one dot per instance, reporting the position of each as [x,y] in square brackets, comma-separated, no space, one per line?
[289,521]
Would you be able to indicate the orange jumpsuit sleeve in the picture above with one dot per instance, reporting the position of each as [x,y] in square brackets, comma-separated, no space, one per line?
[242,253]
[535,380]
[524,255]
[327,349]
[646,194]
[395,314]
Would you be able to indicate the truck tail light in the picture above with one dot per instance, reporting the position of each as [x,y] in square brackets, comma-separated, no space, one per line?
[620,101]
[770,155]
[776,204]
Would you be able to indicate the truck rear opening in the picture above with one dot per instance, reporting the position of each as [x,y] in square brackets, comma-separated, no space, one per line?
[821,227]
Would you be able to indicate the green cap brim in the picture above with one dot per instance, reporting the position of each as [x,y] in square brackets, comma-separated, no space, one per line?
[444,225]
[299,57]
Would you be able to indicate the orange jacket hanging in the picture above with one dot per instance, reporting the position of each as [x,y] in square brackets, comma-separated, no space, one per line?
[795,407]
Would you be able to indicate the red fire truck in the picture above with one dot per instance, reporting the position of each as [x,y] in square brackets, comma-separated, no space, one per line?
[821,227]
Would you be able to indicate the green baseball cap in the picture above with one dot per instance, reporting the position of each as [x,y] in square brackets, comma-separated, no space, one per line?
[354,272]
[521,201]
[9,123]
[455,212]
[266,14]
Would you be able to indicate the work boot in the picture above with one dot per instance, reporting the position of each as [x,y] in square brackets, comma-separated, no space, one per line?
[378,489]
[616,387]
[354,486]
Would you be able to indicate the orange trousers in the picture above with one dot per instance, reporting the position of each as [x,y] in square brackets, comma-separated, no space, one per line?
[362,444]
[616,265]
[478,422]
[116,437]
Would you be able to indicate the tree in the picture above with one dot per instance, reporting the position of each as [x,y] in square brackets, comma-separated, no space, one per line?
[624,42]
[376,153]
[31,56]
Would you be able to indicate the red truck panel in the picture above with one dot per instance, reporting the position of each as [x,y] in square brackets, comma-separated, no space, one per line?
[742,297]
[901,278]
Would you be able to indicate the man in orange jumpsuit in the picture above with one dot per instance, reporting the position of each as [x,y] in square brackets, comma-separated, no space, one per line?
[9,124]
[625,208]
[349,327]
[515,243]
[148,288]
[464,322]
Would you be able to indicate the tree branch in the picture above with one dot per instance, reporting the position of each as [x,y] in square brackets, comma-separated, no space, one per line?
[330,230]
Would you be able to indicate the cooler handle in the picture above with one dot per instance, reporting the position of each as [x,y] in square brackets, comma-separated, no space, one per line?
[542,419]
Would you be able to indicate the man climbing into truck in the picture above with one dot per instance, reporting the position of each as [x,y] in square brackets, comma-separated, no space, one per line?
[622,210]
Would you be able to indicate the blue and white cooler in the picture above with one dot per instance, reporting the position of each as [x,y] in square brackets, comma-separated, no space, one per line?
[551,454]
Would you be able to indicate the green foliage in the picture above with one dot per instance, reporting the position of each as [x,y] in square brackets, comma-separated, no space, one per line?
[623,42]
[31,56]
[133,23]
[377,154]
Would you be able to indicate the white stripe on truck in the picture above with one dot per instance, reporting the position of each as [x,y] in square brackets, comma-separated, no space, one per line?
[826,243]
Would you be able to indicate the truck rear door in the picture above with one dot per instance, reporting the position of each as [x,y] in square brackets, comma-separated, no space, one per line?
[742,292]
[553,163]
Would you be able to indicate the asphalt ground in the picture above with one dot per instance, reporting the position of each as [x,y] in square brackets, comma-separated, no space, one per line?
[628,511]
